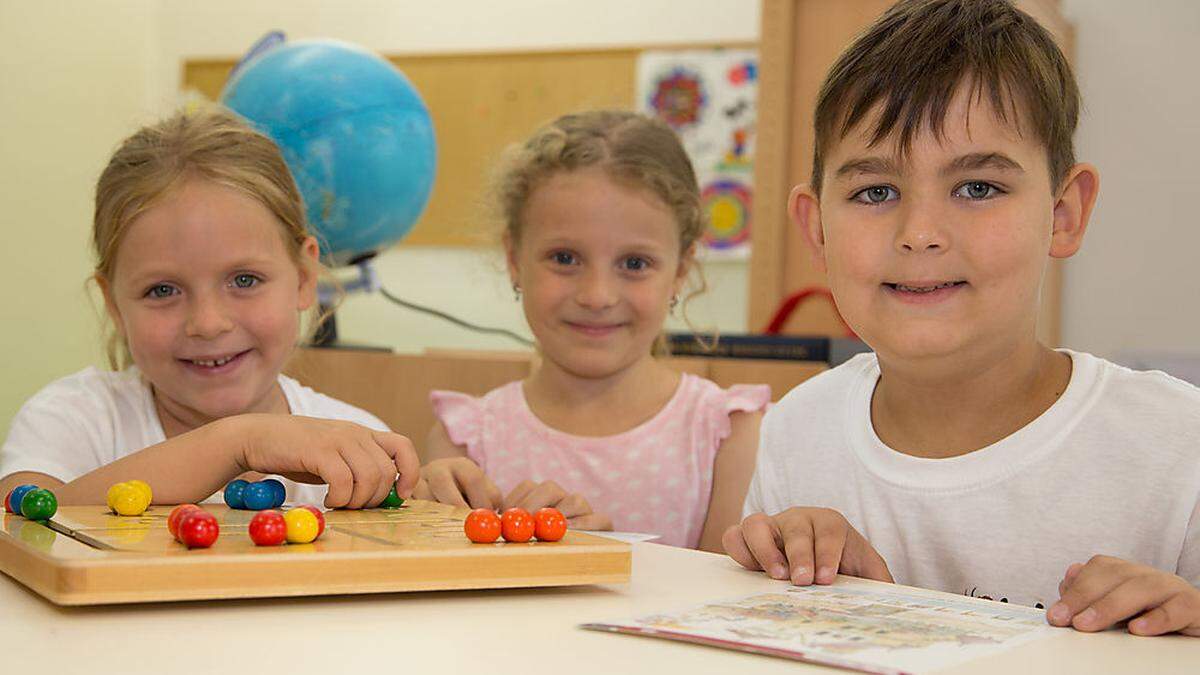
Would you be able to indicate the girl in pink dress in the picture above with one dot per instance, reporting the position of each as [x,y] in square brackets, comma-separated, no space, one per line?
[602,215]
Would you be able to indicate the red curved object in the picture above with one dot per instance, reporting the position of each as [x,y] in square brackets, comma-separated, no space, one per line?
[789,304]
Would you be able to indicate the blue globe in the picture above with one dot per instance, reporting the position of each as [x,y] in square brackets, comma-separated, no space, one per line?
[354,132]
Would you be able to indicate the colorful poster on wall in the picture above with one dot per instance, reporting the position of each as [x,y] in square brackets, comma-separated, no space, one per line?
[709,98]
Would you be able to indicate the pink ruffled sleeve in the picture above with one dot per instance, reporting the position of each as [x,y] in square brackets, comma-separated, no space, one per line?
[738,398]
[462,416]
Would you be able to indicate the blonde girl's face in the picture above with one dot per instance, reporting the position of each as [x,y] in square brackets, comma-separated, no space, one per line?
[598,262]
[208,297]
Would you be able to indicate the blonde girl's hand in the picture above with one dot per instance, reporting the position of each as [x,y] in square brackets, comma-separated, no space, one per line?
[458,481]
[532,496]
[804,544]
[1106,590]
[360,465]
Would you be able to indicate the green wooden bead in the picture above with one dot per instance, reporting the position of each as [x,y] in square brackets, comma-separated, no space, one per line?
[39,504]
[393,500]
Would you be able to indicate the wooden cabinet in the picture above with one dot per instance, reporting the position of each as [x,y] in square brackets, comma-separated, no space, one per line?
[800,39]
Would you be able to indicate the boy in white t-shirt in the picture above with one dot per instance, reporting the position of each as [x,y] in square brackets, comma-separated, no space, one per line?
[964,455]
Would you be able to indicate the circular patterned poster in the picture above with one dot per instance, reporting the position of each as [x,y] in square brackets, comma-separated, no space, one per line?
[678,98]
[725,204]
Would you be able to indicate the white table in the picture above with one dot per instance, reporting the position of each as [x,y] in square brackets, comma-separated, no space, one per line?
[524,631]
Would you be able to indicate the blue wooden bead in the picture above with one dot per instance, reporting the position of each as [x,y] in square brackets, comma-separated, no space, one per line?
[234,492]
[258,496]
[17,495]
[278,490]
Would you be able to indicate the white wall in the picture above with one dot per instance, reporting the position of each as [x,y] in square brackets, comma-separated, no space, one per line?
[1135,285]
[74,81]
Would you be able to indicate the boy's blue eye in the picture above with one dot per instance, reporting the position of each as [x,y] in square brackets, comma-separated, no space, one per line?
[876,194]
[245,280]
[160,291]
[977,189]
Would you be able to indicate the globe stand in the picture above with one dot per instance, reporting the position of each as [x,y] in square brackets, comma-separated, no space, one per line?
[326,335]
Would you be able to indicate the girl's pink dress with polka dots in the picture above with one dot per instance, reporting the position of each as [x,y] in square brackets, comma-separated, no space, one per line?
[655,478]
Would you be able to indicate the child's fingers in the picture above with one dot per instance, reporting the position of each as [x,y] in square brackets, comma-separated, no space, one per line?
[763,540]
[444,488]
[366,475]
[1068,577]
[1128,598]
[829,540]
[798,540]
[476,486]
[546,493]
[735,547]
[592,521]
[333,471]
[862,560]
[573,506]
[518,493]
[1179,613]
[421,490]
[1093,581]
[404,458]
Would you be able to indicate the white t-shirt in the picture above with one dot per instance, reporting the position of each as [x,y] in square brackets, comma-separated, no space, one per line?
[1113,467]
[84,421]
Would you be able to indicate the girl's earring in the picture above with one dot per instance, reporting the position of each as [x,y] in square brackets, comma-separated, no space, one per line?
[517,292]
[671,305]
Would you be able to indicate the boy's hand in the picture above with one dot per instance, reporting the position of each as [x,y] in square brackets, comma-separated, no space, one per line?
[360,465]
[533,496]
[458,481]
[792,544]
[1108,590]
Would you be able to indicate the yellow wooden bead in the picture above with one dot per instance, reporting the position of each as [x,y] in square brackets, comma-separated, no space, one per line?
[127,500]
[111,496]
[302,526]
[144,488]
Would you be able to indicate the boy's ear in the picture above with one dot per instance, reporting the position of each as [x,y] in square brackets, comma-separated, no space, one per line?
[1073,209]
[110,305]
[310,266]
[804,207]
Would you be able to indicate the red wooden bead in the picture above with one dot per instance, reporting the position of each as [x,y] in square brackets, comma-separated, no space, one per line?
[482,526]
[198,529]
[177,514]
[516,525]
[320,517]
[268,528]
[549,524]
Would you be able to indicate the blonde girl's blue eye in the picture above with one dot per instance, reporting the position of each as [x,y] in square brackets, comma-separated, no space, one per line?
[245,280]
[635,264]
[563,258]
[159,291]
[876,194]
[977,190]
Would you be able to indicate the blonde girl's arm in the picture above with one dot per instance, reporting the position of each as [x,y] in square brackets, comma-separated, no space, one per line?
[450,477]
[359,464]
[732,470]
[186,468]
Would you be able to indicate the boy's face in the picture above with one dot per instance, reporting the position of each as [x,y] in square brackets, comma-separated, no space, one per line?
[943,249]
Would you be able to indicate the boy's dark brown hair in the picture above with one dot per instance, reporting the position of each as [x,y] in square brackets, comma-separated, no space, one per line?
[912,60]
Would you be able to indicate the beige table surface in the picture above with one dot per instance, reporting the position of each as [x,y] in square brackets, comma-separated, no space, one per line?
[520,631]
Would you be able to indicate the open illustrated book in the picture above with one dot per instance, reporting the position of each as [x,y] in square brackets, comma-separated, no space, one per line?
[855,624]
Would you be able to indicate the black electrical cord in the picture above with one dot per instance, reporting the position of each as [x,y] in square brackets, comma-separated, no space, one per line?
[455,320]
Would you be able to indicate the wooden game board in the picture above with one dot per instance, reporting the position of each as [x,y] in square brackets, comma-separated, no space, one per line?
[86,556]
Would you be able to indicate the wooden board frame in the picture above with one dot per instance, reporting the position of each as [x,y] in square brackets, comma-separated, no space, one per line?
[84,556]
[799,41]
